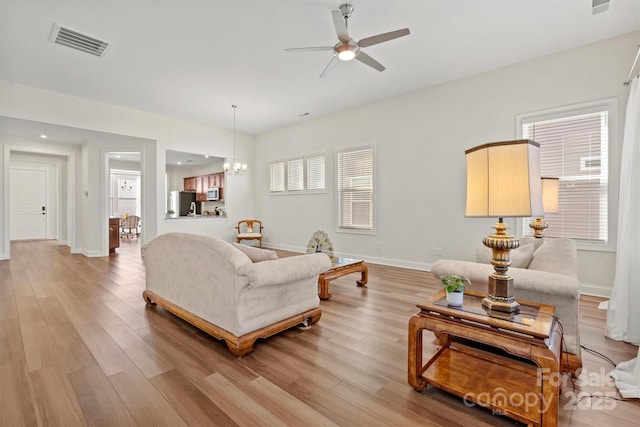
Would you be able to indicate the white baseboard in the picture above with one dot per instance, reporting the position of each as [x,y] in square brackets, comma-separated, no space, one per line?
[86,253]
[595,290]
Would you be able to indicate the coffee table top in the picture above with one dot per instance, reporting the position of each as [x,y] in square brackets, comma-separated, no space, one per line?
[339,262]
[533,319]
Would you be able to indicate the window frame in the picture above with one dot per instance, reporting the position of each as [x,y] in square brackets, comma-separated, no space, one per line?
[305,171]
[611,106]
[115,175]
[348,230]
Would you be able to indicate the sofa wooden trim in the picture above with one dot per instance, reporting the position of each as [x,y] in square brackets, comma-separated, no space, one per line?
[238,346]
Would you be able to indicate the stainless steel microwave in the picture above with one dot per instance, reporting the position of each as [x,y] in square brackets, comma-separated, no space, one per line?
[213,193]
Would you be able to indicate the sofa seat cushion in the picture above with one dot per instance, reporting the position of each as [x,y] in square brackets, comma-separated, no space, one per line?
[247,235]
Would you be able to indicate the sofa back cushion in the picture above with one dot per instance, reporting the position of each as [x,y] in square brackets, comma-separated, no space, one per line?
[557,255]
[520,257]
[256,254]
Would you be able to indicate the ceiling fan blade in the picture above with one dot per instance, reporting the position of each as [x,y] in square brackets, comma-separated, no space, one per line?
[341,26]
[380,38]
[330,66]
[310,49]
[366,59]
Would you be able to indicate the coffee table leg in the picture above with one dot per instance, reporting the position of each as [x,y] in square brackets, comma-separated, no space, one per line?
[323,286]
[365,275]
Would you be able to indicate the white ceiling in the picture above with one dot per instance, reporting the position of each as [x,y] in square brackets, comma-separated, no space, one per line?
[192,59]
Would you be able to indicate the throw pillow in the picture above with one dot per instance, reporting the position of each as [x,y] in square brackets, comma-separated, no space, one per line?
[256,254]
[520,258]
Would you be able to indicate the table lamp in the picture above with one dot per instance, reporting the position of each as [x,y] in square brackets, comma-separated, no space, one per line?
[503,180]
[550,188]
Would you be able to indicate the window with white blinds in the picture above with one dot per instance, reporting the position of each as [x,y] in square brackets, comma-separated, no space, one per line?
[574,148]
[355,188]
[299,175]
[124,193]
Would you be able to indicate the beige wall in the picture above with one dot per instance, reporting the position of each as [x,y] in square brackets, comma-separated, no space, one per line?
[420,140]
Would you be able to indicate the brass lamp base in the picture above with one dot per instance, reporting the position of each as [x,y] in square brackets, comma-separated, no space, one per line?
[500,294]
[495,299]
[538,226]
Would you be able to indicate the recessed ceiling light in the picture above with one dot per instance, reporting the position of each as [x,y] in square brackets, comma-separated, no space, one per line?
[179,163]
[117,156]
[43,136]
[206,156]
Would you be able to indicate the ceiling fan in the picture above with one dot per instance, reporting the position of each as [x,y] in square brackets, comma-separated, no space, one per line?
[347,49]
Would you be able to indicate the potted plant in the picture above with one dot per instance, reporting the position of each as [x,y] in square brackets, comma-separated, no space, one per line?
[454,286]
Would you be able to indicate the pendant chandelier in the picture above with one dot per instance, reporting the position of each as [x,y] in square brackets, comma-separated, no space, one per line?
[235,168]
[126,187]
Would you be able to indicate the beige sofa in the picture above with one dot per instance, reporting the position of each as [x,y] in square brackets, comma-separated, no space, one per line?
[543,271]
[217,286]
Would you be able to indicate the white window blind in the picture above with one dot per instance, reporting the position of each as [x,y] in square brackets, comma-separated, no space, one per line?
[301,175]
[276,171]
[295,175]
[316,172]
[124,193]
[355,188]
[574,149]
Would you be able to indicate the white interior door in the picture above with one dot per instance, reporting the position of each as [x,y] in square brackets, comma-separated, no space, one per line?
[28,195]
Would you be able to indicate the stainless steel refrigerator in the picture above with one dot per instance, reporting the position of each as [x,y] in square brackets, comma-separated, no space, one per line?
[180,202]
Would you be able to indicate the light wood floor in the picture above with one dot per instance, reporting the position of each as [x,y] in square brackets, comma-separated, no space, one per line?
[78,346]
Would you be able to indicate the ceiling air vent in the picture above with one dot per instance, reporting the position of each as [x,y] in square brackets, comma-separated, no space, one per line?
[82,42]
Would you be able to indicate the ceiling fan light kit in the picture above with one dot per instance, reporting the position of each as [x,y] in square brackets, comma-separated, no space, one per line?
[347,49]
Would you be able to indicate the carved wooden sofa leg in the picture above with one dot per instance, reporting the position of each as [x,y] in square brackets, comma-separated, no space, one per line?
[238,346]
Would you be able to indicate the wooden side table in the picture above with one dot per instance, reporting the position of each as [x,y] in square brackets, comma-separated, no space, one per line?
[508,363]
[341,267]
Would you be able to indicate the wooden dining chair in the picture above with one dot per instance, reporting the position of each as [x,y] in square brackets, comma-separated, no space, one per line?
[249,229]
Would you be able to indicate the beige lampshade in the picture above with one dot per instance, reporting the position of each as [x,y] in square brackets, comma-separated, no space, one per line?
[550,188]
[503,180]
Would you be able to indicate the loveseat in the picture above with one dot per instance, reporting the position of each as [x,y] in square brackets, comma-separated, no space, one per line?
[217,287]
[543,271]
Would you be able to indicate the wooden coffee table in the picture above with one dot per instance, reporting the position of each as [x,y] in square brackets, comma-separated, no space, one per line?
[508,363]
[341,267]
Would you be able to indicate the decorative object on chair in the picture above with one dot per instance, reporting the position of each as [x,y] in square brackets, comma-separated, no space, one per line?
[234,168]
[454,287]
[249,229]
[503,180]
[320,242]
[550,188]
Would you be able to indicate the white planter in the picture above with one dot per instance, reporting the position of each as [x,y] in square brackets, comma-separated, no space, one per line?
[455,298]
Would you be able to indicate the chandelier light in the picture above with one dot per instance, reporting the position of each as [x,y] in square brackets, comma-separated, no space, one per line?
[126,187]
[235,167]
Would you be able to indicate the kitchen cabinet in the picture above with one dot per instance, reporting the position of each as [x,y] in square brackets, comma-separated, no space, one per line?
[202,183]
[190,184]
[217,180]
[114,233]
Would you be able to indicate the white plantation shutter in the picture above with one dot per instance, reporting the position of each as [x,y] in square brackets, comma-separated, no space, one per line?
[276,170]
[575,150]
[295,175]
[300,175]
[355,188]
[316,172]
